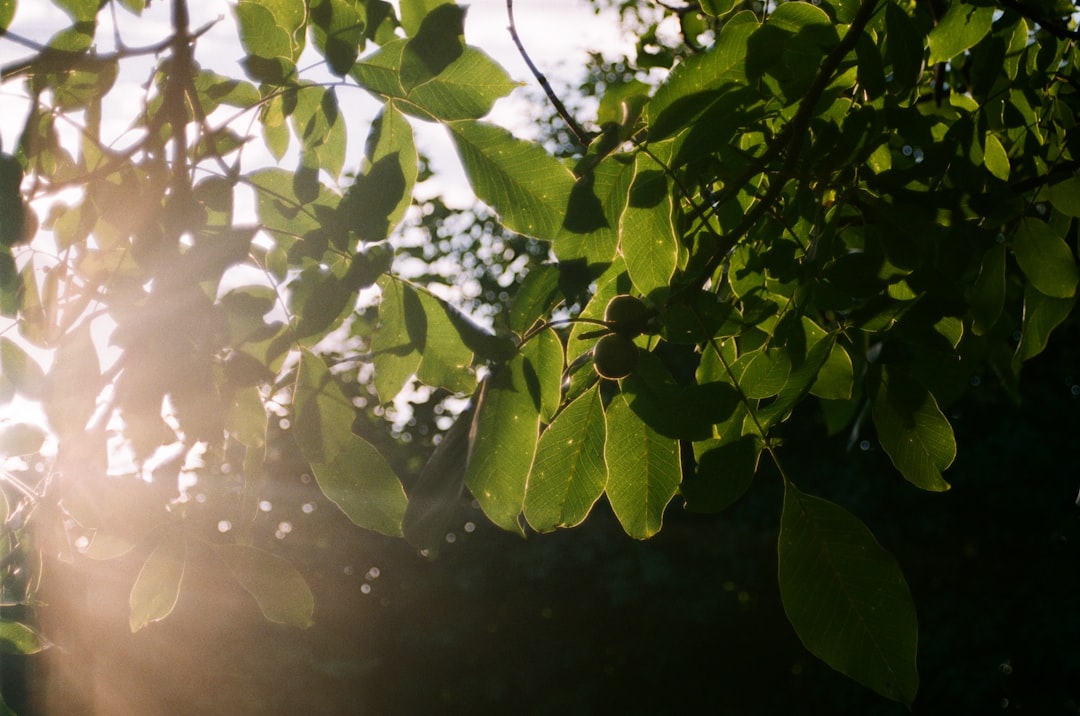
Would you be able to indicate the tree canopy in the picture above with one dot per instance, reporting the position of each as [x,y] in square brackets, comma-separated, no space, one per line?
[847,208]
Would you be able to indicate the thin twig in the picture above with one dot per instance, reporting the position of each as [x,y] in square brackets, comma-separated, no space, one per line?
[580,134]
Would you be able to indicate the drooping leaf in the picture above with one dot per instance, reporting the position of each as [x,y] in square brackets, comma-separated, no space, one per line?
[157,588]
[846,596]
[568,473]
[644,470]
[279,589]
[528,187]
[1042,314]
[322,415]
[912,430]
[504,438]
[361,482]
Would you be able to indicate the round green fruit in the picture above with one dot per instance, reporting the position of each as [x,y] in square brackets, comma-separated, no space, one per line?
[615,356]
[627,315]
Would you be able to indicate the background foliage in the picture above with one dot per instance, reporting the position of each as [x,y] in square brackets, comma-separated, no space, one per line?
[846,224]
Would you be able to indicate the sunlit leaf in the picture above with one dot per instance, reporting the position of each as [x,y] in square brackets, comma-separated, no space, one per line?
[400,337]
[528,187]
[157,588]
[544,364]
[568,473]
[378,200]
[361,482]
[7,12]
[962,26]
[322,415]
[504,440]
[338,32]
[644,470]
[647,237]
[279,589]
[912,430]
[1045,258]
[846,596]
[20,370]
[995,158]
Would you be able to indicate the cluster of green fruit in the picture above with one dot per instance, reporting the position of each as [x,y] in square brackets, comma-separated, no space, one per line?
[615,355]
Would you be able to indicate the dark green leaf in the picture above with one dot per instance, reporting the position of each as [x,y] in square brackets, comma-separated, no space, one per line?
[725,471]
[1045,258]
[281,592]
[18,638]
[846,596]
[912,430]
[1042,314]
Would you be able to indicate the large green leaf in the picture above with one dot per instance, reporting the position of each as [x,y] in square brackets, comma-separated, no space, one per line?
[912,430]
[846,596]
[279,589]
[1042,314]
[568,473]
[337,29]
[380,196]
[73,383]
[157,588]
[545,360]
[647,237]
[725,471]
[466,89]
[398,339]
[590,230]
[644,470]
[1045,258]
[528,187]
[435,497]
[361,482]
[271,32]
[319,125]
[964,24]
[322,415]
[18,638]
[504,440]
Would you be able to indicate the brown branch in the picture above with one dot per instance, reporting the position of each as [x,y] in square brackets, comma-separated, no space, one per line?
[583,137]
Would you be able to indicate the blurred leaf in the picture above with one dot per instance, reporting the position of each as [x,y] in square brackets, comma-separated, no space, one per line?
[157,588]
[568,473]
[281,592]
[20,439]
[322,415]
[18,638]
[846,597]
[73,383]
[643,470]
[437,494]
[21,371]
[361,482]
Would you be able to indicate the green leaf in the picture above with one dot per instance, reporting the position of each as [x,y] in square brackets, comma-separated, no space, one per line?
[545,361]
[1045,258]
[436,496]
[399,338]
[271,32]
[7,13]
[18,638]
[846,596]
[466,89]
[504,440]
[725,471]
[994,157]
[647,238]
[436,45]
[322,415]
[597,199]
[643,470]
[716,8]
[20,439]
[320,127]
[1042,314]
[73,384]
[157,588]
[378,200]
[414,12]
[361,482]
[21,371]
[1065,196]
[836,377]
[912,430]
[963,25]
[568,473]
[80,10]
[987,295]
[337,28]
[528,187]
[281,592]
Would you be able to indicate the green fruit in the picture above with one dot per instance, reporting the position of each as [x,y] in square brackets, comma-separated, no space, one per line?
[628,316]
[615,356]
